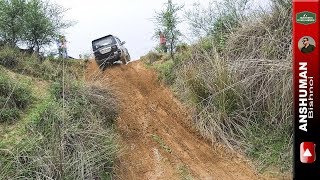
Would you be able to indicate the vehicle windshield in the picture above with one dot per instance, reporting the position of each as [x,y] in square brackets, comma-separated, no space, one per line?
[103,42]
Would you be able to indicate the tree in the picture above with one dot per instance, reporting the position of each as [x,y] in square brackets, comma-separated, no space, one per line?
[218,20]
[217,17]
[201,19]
[11,20]
[167,21]
[34,23]
[44,21]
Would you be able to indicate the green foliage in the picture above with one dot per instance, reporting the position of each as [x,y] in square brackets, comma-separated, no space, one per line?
[151,57]
[181,48]
[184,52]
[222,27]
[199,92]
[35,22]
[184,173]
[9,57]
[59,137]
[206,43]
[166,72]
[49,69]
[66,139]
[270,147]
[15,97]
[161,143]
[167,21]
[217,21]
[216,17]
[11,20]
[164,64]
[43,23]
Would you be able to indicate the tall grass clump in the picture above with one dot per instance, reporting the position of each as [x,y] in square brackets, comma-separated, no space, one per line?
[72,137]
[242,91]
[15,97]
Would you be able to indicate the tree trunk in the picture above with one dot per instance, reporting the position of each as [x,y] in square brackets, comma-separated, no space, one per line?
[172,46]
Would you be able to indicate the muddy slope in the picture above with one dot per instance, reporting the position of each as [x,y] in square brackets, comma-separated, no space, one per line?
[158,142]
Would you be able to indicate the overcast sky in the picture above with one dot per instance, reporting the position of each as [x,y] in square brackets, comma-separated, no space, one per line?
[130,20]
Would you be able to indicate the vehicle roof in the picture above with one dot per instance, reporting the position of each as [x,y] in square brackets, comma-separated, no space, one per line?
[103,37]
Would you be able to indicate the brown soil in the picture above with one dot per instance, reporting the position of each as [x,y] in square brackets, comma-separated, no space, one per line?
[157,139]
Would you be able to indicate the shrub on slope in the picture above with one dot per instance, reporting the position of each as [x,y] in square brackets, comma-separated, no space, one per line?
[68,139]
[242,94]
[15,97]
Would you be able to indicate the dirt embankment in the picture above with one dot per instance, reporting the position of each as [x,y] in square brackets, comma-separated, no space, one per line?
[157,140]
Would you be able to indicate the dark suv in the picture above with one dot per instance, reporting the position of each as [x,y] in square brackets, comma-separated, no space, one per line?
[109,49]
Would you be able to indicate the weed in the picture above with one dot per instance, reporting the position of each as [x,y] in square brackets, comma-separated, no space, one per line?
[184,172]
[160,141]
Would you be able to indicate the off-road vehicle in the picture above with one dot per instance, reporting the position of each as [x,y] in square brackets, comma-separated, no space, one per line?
[109,49]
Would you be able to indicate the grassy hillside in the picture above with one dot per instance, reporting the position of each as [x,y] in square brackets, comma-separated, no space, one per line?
[51,130]
[240,89]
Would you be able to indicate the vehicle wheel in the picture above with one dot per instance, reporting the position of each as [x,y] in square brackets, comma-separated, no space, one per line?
[99,64]
[103,68]
[124,60]
[128,57]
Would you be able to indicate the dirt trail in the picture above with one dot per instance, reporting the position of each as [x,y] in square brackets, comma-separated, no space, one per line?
[157,139]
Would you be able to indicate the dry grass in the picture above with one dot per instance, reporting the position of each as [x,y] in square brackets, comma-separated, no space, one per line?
[75,142]
[64,139]
[243,95]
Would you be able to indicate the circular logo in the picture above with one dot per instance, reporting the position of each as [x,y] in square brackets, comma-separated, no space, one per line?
[307,44]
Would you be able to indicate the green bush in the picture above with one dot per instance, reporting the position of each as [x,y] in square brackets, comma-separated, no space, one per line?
[9,57]
[183,47]
[151,57]
[206,44]
[52,69]
[67,139]
[199,92]
[166,71]
[15,97]
[222,28]
[49,69]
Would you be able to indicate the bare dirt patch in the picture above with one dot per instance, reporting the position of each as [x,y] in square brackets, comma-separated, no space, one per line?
[157,138]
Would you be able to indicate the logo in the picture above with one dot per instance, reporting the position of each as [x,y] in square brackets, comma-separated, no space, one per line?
[307,152]
[306,18]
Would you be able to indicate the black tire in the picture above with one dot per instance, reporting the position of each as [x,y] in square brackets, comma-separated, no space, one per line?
[128,57]
[103,68]
[99,64]
[124,60]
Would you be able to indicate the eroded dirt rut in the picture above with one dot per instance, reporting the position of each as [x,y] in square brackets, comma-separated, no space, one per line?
[157,140]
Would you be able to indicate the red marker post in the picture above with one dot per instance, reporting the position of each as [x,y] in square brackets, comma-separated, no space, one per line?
[306,68]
